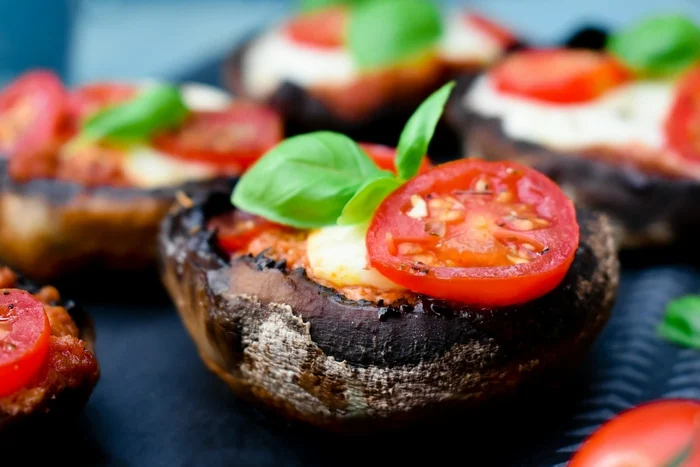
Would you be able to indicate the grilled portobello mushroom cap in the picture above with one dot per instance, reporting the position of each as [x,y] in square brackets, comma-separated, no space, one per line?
[303,112]
[647,210]
[292,345]
[50,228]
[66,394]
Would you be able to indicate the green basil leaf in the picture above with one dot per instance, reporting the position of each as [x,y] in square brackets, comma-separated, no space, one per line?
[368,197]
[383,32]
[659,46]
[156,108]
[306,180]
[419,130]
[681,323]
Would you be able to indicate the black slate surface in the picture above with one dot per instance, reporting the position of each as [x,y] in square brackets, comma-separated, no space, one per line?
[157,405]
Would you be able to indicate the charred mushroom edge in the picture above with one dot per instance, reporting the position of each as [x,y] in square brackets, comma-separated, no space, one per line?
[303,350]
[49,228]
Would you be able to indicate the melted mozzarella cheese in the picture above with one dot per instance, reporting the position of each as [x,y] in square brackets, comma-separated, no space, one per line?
[631,114]
[203,97]
[147,168]
[464,42]
[338,255]
[274,58]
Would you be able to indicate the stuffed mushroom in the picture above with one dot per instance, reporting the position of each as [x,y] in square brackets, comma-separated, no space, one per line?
[616,128]
[87,174]
[362,68]
[355,298]
[48,367]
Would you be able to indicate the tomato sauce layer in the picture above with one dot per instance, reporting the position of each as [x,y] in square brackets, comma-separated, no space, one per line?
[240,234]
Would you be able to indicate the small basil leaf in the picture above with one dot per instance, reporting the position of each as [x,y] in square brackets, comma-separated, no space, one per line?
[419,130]
[681,323]
[383,32]
[306,180]
[660,46]
[156,108]
[368,197]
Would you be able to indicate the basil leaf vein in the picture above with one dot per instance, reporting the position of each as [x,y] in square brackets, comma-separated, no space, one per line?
[306,180]
[681,322]
[156,108]
[419,130]
[370,195]
[660,46]
[383,32]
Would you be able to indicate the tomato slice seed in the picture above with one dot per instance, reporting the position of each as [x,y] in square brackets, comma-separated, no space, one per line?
[25,334]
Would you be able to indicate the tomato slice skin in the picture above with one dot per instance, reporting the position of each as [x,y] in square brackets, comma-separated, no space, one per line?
[470,243]
[562,76]
[499,33]
[385,157]
[90,98]
[238,136]
[650,434]
[32,112]
[25,335]
[322,29]
[682,126]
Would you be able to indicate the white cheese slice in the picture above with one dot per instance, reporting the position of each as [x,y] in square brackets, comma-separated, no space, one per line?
[464,42]
[203,97]
[633,113]
[147,168]
[338,255]
[274,58]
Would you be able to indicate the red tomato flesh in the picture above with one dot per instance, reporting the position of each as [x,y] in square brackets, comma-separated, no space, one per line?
[24,339]
[32,110]
[324,29]
[385,157]
[648,435]
[563,76]
[682,126]
[238,228]
[499,33]
[239,136]
[482,233]
[90,98]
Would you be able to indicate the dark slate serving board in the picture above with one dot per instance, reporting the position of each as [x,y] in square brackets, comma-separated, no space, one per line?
[157,405]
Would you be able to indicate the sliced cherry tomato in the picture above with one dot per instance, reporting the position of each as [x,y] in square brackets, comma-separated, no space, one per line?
[236,229]
[483,233]
[499,33]
[239,136]
[93,97]
[32,111]
[25,334]
[385,157]
[323,29]
[682,126]
[651,434]
[563,76]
